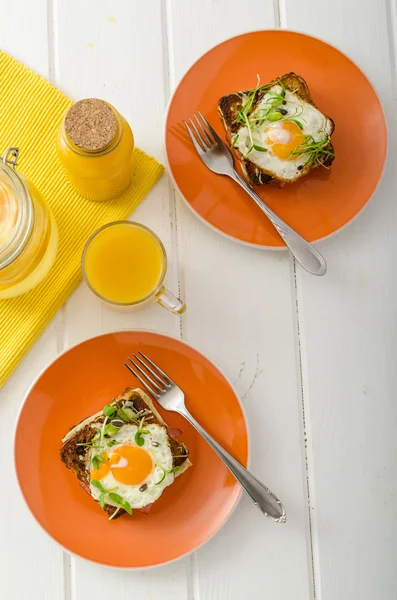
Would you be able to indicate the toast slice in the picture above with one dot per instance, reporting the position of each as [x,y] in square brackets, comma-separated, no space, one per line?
[229,107]
[137,410]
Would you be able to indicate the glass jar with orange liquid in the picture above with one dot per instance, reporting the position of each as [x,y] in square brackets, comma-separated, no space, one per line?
[125,263]
[95,146]
[28,232]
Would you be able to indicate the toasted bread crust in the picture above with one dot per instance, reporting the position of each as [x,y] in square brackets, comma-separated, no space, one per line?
[73,455]
[229,107]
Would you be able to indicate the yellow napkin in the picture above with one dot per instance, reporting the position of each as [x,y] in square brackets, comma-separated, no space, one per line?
[31,110]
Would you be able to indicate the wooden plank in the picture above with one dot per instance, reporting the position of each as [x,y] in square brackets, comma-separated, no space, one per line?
[31,565]
[242,316]
[349,331]
[25,31]
[104,50]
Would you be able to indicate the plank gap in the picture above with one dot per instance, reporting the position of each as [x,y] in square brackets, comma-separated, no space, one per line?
[391,18]
[193,589]
[280,14]
[67,577]
[277,16]
[168,75]
[51,41]
[173,208]
[305,435]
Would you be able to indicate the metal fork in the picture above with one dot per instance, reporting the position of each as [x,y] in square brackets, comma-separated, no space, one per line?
[161,387]
[218,158]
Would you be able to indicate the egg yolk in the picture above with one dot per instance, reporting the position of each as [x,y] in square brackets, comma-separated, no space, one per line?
[283,138]
[129,465]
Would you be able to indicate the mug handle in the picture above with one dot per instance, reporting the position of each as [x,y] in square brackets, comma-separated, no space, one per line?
[167,300]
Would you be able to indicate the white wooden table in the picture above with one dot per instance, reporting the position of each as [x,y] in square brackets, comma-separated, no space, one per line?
[314,360]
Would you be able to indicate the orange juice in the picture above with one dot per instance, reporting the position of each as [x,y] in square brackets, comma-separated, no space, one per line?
[124,263]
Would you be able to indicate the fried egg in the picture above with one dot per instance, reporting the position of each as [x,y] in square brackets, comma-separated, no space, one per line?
[139,474]
[279,139]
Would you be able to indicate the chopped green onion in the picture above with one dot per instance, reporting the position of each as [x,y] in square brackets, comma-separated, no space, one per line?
[129,413]
[102,500]
[109,410]
[121,413]
[110,429]
[259,148]
[111,443]
[275,116]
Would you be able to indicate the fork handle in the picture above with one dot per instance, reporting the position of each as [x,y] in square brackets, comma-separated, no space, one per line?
[262,497]
[306,255]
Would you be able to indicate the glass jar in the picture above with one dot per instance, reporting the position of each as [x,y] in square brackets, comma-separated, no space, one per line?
[28,232]
[95,146]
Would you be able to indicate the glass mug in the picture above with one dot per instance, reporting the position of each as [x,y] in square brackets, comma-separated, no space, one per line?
[124,263]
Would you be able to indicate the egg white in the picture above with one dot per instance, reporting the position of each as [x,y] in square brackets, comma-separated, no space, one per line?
[161,455]
[314,124]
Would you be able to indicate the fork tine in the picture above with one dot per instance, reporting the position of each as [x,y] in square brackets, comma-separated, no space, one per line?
[168,379]
[161,382]
[205,133]
[148,389]
[158,389]
[216,137]
[199,149]
[203,142]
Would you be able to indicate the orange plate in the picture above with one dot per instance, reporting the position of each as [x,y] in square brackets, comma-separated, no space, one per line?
[79,383]
[317,205]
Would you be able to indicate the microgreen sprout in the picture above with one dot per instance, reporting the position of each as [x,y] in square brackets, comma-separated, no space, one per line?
[112,496]
[98,485]
[140,433]
[165,473]
[96,459]
[90,445]
[103,428]
[234,142]
[163,476]
[174,469]
[315,151]
[120,502]
[271,111]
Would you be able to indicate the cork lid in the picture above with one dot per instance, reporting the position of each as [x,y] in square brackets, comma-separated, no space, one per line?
[91,124]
